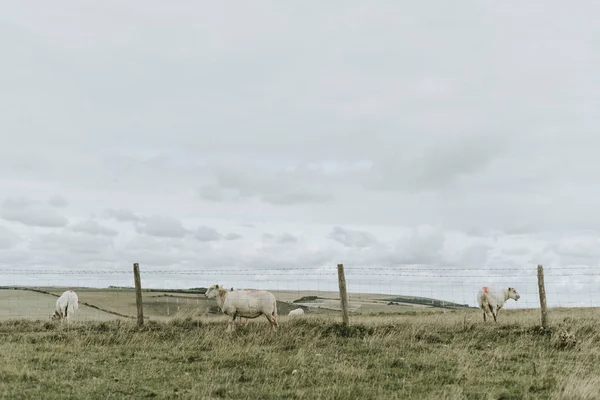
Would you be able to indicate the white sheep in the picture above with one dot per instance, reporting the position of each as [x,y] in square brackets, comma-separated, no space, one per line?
[66,305]
[492,300]
[296,313]
[245,304]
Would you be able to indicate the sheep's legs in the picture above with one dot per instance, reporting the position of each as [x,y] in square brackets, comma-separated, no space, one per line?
[273,320]
[494,313]
[231,326]
[486,308]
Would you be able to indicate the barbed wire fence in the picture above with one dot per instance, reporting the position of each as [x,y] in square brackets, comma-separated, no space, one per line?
[371,290]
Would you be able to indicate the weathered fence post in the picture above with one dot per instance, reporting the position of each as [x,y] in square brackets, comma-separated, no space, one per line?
[343,294]
[542,292]
[138,294]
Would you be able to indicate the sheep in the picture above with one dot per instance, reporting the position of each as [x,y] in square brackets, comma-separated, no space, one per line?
[66,305]
[296,313]
[245,304]
[493,300]
[243,321]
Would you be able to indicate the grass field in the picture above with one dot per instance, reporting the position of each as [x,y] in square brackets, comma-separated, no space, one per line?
[449,355]
[401,350]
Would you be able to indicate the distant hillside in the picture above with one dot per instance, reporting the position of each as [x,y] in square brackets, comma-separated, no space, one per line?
[426,302]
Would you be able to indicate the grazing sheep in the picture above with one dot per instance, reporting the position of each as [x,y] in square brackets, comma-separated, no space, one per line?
[491,300]
[66,305]
[245,304]
[296,313]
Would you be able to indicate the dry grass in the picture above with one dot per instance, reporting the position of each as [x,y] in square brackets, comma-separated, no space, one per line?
[437,356]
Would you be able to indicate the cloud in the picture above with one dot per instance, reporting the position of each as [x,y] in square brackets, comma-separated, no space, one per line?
[212,193]
[162,226]
[206,234]
[155,251]
[93,228]
[56,245]
[31,213]
[423,245]
[517,251]
[8,238]
[281,238]
[123,215]
[403,154]
[58,201]
[287,238]
[238,182]
[233,236]
[579,249]
[437,165]
[351,238]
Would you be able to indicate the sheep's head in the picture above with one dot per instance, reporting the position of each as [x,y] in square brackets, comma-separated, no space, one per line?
[212,291]
[512,293]
[54,316]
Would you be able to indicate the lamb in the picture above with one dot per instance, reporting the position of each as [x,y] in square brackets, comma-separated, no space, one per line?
[493,300]
[245,304]
[296,313]
[66,305]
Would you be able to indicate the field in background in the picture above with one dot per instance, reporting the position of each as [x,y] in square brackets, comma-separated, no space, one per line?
[414,355]
[119,303]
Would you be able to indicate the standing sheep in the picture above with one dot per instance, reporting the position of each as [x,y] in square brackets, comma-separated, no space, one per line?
[493,300]
[66,305]
[245,304]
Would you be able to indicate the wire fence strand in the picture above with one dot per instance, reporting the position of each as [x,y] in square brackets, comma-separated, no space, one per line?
[371,289]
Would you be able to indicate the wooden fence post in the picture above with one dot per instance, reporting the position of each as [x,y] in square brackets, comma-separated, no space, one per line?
[542,292]
[138,294]
[343,294]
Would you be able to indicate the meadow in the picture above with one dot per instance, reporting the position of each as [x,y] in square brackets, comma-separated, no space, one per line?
[418,355]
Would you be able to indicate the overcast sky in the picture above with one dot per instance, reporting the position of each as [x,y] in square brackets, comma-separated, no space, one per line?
[268,134]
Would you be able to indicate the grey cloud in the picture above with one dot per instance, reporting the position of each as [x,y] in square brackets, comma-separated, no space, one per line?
[58,201]
[474,256]
[72,242]
[281,238]
[267,236]
[233,236]
[10,258]
[582,249]
[31,213]
[162,226]
[427,247]
[517,251]
[8,238]
[296,197]
[123,215]
[424,245]
[206,234]
[287,238]
[377,133]
[297,256]
[155,251]
[351,238]
[238,181]
[437,165]
[212,193]
[93,228]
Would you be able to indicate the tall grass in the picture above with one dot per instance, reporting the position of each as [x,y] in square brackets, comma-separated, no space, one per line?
[437,356]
